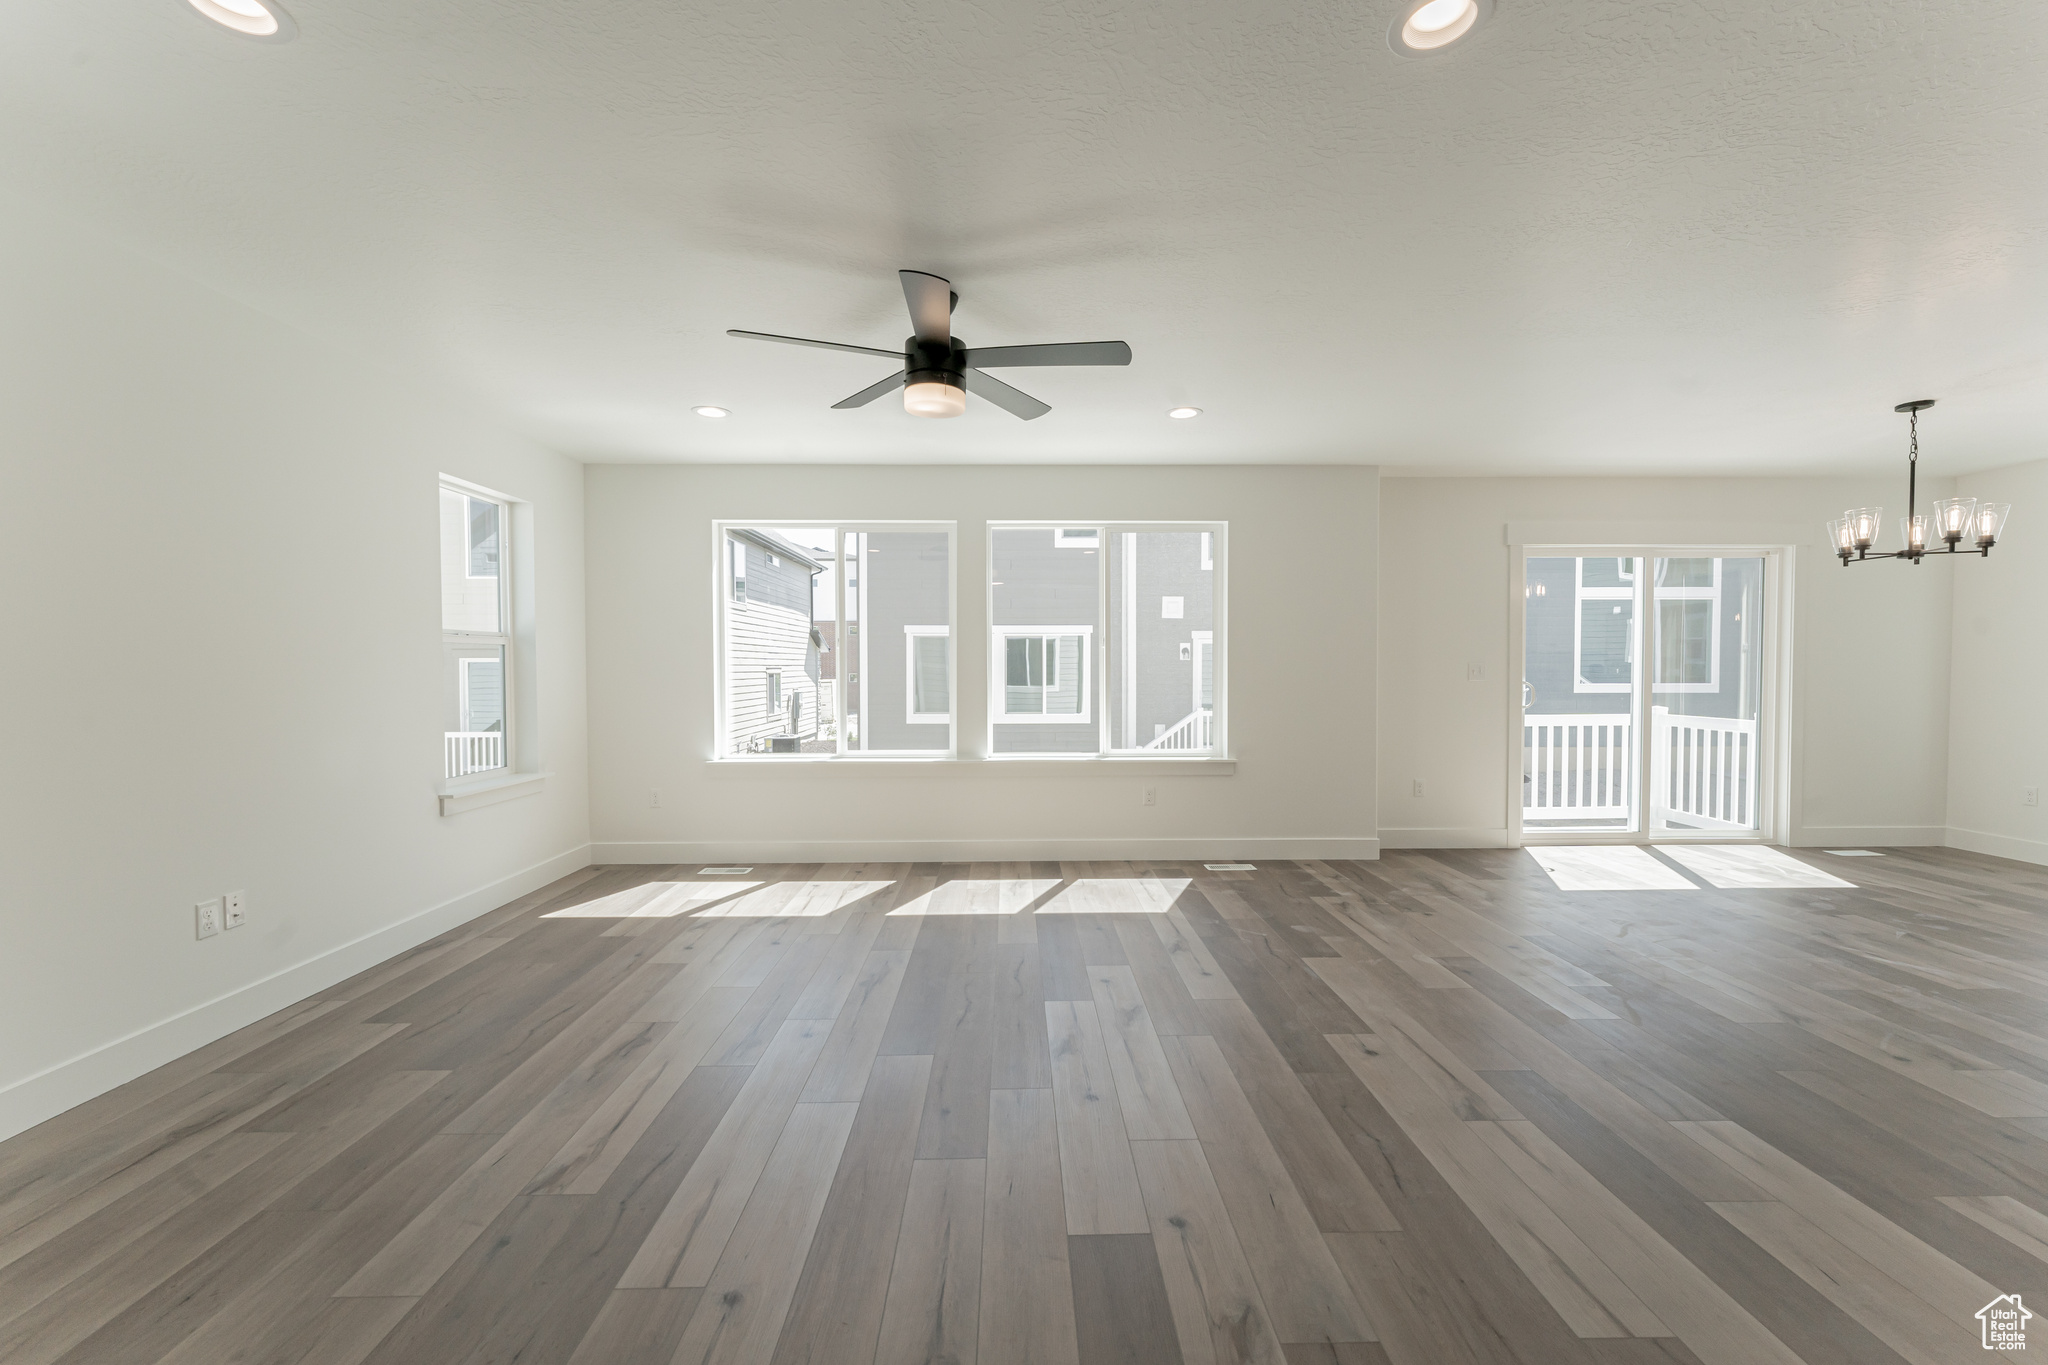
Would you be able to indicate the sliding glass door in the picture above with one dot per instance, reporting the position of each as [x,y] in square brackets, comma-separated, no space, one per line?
[1642,695]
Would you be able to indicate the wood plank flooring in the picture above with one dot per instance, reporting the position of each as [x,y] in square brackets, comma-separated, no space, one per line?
[1428,1109]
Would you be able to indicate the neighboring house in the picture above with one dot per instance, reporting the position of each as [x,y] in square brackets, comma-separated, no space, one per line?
[773,649]
[1580,655]
[900,685]
[1050,639]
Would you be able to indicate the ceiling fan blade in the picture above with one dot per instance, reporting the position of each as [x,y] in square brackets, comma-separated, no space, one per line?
[806,341]
[931,305]
[1013,401]
[872,392]
[1058,353]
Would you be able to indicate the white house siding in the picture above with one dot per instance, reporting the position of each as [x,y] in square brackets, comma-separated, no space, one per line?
[767,632]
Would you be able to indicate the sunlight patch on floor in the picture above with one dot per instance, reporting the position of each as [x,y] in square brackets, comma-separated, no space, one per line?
[1748,867]
[1608,867]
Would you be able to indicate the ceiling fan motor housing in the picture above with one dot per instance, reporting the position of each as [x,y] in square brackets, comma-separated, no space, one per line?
[935,362]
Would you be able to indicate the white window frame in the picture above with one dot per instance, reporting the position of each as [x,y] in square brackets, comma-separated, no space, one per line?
[775,697]
[999,673]
[911,715]
[1204,641]
[1581,594]
[1689,594]
[735,574]
[725,529]
[1218,533]
[1208,550]
[503,639]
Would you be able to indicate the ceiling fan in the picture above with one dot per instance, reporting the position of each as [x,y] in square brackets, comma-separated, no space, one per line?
[939,372]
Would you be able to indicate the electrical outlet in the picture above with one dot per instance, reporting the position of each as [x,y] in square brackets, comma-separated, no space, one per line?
[231,910]
[1416,790]
[1150,798]
[654,798]
[206,918]
[1475,672]
[2030,796]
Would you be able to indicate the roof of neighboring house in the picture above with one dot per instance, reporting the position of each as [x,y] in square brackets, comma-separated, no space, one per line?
[780,546]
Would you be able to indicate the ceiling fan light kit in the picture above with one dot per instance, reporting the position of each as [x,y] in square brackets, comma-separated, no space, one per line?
[939,370]
[1953,521]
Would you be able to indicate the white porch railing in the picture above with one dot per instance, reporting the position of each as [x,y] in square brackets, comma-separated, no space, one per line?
[1578,767]
[1192,731]
[472,751]
[1703,771]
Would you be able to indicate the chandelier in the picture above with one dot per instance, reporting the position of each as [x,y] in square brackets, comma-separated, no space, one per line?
[1953,519]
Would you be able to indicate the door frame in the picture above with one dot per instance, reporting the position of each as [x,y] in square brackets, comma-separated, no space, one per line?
[1773,746]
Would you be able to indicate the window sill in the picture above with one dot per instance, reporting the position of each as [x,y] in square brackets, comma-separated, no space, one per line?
[1005,765]
[458,797]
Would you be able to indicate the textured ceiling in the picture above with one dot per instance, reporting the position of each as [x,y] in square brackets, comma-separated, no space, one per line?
[1630,235]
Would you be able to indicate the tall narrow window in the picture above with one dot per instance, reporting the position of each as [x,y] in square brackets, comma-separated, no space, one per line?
[475,639]
[834,639]
[928,665]
[1104,639]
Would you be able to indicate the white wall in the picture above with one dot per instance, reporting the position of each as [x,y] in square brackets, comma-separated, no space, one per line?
[223,665]
[1869,706]
[1301,582]
[1999,732]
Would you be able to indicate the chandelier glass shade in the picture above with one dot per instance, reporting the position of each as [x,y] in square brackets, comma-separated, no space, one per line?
[1955,526]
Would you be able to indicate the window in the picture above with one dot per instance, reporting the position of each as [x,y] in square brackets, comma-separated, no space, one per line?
[928,666]
[1604,633]
[1045,677]
[1688,625]
[483,538]
[476,640]
[1104,639]
[808,627]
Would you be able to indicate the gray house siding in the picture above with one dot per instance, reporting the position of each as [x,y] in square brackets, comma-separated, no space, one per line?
[1038,584]
[1160,690]
[1551,669]
[903,577]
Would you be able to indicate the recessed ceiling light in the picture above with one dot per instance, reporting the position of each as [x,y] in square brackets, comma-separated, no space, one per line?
[1183,413]
[1431,26]
[708,411]
[250,18]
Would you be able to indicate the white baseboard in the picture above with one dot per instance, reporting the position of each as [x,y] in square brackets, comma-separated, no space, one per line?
[1869,836]
[983,850]
[1999,845]
[29,1101]
[1443,838]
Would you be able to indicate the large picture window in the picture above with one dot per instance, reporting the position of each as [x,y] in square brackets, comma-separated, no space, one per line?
[1105,639]
[835,639]
[476,642]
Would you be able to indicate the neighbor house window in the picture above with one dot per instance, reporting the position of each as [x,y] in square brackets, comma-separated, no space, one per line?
[476,641]
[821,627]
[1688,625]
[928,667]
[1604,628]
[1105,639]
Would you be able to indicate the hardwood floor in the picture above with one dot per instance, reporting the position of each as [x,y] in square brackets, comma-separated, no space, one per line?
[1428,1109]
